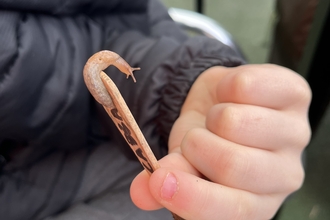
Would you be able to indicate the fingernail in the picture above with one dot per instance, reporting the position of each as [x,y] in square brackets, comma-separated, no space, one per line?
[170,187]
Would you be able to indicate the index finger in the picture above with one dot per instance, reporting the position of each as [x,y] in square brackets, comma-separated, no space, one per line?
[264,85]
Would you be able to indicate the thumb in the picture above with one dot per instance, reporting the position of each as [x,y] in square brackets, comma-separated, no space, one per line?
[140,187]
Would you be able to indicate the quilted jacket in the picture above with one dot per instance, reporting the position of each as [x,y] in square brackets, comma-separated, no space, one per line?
[46,112]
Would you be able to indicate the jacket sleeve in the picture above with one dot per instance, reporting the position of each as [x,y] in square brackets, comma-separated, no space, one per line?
[170,62]
[44,102]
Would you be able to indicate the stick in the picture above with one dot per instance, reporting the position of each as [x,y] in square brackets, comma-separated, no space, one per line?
[106,93]
[126,124]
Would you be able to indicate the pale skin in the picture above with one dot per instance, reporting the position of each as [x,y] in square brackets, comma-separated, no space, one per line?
[235,150]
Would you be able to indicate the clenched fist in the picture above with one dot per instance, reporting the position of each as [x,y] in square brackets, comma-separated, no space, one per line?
[235,150]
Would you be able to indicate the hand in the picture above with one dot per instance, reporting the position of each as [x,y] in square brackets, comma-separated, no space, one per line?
[235,151]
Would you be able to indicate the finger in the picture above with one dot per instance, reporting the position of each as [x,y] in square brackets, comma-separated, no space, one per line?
[187,121]
[194,198]
[139,191]
[264,85]
[202,95]
[258,127]
[241,167]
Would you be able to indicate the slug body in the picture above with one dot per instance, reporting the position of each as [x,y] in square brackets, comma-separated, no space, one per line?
[97,63]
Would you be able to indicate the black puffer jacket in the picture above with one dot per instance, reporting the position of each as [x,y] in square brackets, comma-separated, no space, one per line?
[46,112]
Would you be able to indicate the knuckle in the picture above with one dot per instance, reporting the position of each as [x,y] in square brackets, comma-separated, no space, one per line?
[235,163]
[230,121]
[245,209]
[299,87]
[193,134]
[243,83]
[191,139]
[305,137]
[296,180]
[303,134]
[249,207]
[302,91]
[293,174]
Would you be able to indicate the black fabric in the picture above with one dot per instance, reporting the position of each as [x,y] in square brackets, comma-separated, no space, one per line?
[49,123]
[60,7]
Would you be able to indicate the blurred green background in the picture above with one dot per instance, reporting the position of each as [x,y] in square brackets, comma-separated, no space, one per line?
[251,24]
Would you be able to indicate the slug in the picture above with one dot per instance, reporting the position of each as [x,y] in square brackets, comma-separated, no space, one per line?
[97,63]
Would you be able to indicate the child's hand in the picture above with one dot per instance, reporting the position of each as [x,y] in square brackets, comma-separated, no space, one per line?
[235,150]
